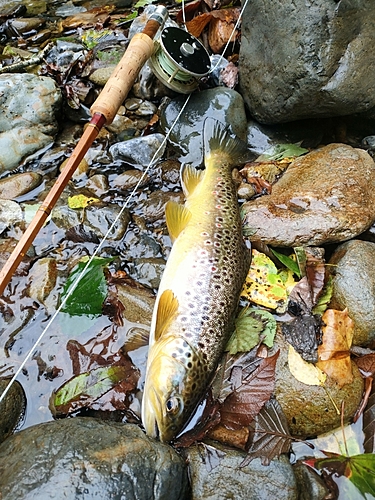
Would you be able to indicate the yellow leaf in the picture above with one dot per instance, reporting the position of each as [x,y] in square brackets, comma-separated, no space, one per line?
[305,372]
[80,201]
[264,285]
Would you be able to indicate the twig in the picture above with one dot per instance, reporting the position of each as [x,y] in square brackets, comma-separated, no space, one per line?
[30,61]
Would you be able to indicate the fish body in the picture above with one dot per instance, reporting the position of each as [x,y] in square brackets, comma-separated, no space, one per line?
[200,287]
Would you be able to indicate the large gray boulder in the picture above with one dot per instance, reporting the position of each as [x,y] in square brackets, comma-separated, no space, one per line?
[89,458]
[307,59]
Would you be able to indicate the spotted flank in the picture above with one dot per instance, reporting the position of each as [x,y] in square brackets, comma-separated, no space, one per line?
[199,291]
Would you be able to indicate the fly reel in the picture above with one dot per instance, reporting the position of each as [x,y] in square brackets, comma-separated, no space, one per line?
[179,60]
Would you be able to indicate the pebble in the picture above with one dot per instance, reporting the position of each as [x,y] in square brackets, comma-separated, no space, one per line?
[140,150]
[19,184]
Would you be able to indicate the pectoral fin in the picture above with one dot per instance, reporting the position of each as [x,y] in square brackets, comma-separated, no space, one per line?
[177,217]
[190,178]
[167,308]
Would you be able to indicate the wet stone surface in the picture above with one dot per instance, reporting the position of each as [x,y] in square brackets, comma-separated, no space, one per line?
[227,479]
[352,268]
[325,196]
[112,460]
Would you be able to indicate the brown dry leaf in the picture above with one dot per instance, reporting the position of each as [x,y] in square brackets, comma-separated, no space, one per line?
[221,28]
[89,18]
[197,25]
[334,352]
[250,395]
[315,271]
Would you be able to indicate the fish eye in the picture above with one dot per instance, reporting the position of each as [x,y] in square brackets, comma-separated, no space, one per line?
[172,405]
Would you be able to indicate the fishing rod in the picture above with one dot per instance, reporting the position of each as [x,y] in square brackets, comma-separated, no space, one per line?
[103,111]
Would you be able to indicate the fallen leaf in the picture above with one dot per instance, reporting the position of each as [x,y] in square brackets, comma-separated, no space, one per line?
[315,271]
[263,285]
[305,372]
[86,297]
[359,469]
[198,23]
[334,351]
[369,425]
[269,436]
[281,151]
[221,30]
[250,395]
[80,201]
[251,325]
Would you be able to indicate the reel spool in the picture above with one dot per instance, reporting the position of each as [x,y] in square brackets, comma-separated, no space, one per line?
[180,60]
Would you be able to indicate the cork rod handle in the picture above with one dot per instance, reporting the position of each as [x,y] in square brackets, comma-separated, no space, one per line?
[122,79]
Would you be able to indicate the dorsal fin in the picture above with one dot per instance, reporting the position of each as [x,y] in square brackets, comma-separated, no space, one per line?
[218,138]
[190,178]
[177,217]
[167,308]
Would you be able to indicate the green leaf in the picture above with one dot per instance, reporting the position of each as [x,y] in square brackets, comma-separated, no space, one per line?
[142,3]
[88,296]
[250,325]
[281,151]
[325,298]
[91,385]
[359,469]
[288,262]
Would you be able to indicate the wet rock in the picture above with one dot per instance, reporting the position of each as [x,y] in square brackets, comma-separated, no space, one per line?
[140,150]
[353,269]
[99,217]
[170,172]
[308,408]
[19,184]
[221,476]
[65,53]
[299,62]
[101,75]
[146,108]
[12,408]
[98,184]
[225,105]
[152,208]
[129,179]
[138,302]
[148,271]
[27,123]
[89,458]
[310,485]
[325,196]
[26,24]
[10,213]
[43,279]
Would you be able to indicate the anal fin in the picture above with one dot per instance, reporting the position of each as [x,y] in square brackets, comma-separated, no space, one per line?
[177,216]
[167,308]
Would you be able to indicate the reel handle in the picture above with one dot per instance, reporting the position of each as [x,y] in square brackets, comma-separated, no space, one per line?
[140,48]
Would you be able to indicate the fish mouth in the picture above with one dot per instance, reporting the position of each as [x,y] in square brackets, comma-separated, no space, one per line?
[149,414]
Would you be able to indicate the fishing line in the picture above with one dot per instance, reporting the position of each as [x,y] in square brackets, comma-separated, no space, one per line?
[113,225]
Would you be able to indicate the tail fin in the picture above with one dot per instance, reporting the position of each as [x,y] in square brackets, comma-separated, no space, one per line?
[218,138]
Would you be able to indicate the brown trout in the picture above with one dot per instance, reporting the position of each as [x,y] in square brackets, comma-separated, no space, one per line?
[200,287]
